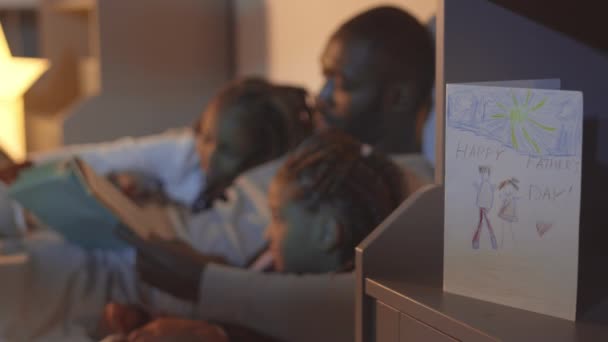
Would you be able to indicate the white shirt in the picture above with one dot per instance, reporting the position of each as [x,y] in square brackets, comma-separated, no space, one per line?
[170,157]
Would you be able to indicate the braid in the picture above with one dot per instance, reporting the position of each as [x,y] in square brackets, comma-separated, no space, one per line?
[331,169]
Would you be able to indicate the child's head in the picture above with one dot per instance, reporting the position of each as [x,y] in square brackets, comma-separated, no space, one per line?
[509,186]
[325,200]
[248,123]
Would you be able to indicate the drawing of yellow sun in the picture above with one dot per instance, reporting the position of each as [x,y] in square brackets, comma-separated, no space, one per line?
[518,115]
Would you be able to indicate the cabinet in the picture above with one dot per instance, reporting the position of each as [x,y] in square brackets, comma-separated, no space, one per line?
[400,265]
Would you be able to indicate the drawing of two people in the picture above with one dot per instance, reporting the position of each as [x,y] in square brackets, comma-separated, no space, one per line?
[485,202]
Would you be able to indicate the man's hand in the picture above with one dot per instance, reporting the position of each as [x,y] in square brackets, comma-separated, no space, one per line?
[172,266]
[138,187]
[123,319]
[9,173]
[173,329]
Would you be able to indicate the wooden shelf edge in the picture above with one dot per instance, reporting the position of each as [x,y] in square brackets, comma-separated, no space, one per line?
[470,319]
[16,5]
[74,6]
[393,293]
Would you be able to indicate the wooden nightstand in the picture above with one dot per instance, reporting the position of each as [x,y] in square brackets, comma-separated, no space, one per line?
[400,265]
[400,295]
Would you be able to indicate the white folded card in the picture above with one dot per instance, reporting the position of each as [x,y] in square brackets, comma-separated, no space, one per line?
[512,196]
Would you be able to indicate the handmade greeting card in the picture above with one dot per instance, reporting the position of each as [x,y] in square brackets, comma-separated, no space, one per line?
[512,196]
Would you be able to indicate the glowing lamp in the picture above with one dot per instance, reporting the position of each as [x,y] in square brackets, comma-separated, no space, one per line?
[16,76]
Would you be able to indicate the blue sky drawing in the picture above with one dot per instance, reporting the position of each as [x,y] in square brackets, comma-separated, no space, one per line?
[531,121]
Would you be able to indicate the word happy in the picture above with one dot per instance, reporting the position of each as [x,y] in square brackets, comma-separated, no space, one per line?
[478,152]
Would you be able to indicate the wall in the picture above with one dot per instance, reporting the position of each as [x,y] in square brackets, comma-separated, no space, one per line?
[154,75]
[283,39]
[20,29]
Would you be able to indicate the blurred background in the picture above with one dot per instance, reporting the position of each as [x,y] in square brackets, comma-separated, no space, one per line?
[94,70]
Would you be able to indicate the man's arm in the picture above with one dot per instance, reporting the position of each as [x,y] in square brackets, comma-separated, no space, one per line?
[287,307]
[282,306]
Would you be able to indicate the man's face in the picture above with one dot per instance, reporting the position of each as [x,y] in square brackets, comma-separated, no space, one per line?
[351,97]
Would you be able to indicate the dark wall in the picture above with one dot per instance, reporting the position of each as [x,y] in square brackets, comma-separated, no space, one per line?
[21,29]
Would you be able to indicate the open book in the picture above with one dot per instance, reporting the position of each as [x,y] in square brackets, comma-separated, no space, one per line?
[86,208]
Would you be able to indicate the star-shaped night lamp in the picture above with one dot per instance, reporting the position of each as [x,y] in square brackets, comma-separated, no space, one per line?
[17,75]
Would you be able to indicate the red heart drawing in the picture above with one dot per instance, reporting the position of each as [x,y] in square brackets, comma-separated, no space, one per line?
[543,227]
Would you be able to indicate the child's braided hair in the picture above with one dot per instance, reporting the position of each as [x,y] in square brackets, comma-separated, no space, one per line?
[361,186]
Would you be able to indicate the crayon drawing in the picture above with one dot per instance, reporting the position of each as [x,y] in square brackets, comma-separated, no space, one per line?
[528,121]
[512,196]
[508,210]
[485,202]
[542,227]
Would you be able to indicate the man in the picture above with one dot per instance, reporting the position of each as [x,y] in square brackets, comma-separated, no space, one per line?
[379,72]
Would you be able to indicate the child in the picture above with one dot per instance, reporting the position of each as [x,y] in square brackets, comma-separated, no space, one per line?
[248,123]
[329,195]
[508,208]
[326,198]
